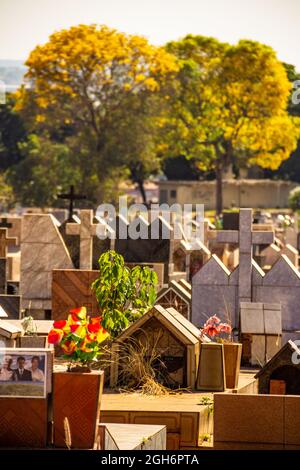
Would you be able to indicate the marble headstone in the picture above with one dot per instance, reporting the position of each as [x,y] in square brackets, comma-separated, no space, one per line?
[42,250]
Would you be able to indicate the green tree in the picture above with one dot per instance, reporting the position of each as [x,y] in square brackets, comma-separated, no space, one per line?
[290,168]
[46,168]
[229,105]
[12,132]
[294,199]
[89,85]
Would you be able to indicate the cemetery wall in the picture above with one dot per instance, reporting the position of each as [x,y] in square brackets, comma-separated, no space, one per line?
[238,193]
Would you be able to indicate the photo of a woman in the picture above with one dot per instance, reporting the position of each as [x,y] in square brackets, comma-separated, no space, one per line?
[36,373]
[6,372]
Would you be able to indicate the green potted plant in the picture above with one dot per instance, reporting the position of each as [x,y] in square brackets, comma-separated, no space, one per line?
[123,293]
[31,338]
[221,332]
[77,390]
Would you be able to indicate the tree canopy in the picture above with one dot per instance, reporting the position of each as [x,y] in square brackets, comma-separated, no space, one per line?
[230,106]
[99,106]
[90,87]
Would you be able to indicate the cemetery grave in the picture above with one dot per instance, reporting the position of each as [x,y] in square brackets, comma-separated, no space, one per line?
[190,369]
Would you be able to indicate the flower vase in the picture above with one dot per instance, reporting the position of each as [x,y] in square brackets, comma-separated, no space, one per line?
[76,405]
[232,356]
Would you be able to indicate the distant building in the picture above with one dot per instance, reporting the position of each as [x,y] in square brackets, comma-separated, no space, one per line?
[132,191]
[259,193]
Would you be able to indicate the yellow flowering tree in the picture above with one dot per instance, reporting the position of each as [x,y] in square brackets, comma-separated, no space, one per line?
[79,86]
[230,106]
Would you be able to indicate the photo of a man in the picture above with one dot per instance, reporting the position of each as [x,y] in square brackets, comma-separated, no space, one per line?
[21,374]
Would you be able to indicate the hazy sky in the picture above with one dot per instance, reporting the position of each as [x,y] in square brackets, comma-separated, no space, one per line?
[26,23]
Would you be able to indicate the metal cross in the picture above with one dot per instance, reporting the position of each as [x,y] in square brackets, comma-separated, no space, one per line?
[71,196]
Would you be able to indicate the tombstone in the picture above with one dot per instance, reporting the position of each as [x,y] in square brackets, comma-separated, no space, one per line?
[9,301]
[215,289]
[268,256]
[72,242]
[175,296]
[8,334]
[185,284]
[291,236]
[281,371]
[120,436]
[214,292]
[230,220]
[211,370]
[13,266]
[148,249]
[3,275]
[281,284]
[42,250]
[11,305]
[230,256]
[3,313]
[292,253]
[196,254]
[86,230]
[101,245]
[167,334]
[14,227]
[180,259]
[261,332]
[5,242]
[71,288]
[60,214]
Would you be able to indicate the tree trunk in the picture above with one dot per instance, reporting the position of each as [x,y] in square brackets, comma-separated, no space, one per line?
[142,191]
[219,189]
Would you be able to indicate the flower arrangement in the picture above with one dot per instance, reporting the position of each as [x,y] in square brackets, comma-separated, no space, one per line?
[80,337]
[216,329]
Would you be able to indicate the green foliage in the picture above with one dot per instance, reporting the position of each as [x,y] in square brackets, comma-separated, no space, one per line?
[123,294]
[45,170]
[12,132]
[229,106]
[294,199]
[7,197]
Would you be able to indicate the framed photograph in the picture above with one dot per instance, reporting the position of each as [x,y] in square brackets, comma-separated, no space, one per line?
[25,373]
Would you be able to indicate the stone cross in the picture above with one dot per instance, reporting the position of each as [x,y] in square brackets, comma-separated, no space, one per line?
[5,241]
[71,197]
[245,237]
[86,231]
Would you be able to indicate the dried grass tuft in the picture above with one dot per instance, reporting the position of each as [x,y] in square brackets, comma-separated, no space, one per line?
[141,367]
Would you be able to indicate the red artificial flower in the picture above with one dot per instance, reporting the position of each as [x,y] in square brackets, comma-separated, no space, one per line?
[212,320]
[74,327]
[225,328]
[69,347]
[211,330]
[78,313]
[102,335]
[55,336]
[60,324]
[94,325]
